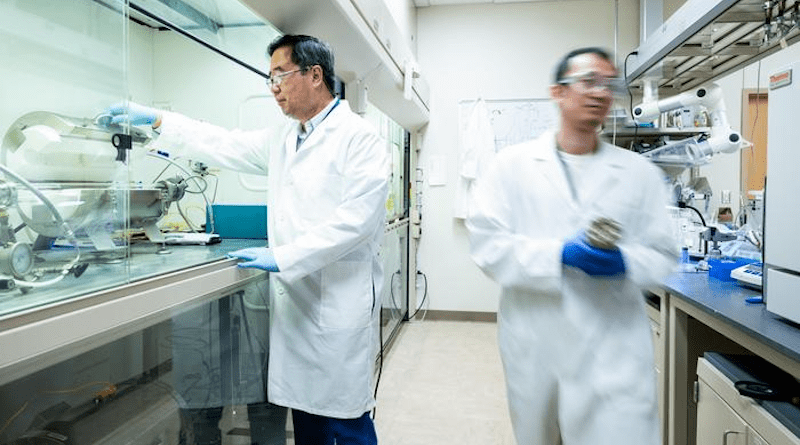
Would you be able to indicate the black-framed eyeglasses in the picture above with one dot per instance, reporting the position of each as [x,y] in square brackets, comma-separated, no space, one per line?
[591,82]
[275,80]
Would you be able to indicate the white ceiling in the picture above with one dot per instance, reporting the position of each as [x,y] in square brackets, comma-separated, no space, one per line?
[423,3]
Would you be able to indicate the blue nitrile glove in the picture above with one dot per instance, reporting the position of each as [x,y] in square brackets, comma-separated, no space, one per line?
[258,257]
[128,113]
[592,260]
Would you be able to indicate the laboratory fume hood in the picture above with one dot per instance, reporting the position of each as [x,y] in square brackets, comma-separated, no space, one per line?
[103,253]
[706,39]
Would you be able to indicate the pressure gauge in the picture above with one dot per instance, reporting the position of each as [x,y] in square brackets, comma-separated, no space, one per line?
[16,260]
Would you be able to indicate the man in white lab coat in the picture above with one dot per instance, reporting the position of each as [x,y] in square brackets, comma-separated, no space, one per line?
[572,329]
[327,178]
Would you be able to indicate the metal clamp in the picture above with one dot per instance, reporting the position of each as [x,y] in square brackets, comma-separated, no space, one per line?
[122,142]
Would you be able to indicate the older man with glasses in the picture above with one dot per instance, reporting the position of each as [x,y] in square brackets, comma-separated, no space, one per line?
[327,177]
[572,228]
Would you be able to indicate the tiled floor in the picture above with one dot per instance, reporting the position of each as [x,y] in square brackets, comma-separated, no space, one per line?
[442,384]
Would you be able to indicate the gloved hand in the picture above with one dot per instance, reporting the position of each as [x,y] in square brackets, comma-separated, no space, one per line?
[258,257]
[592,260]
[129,112]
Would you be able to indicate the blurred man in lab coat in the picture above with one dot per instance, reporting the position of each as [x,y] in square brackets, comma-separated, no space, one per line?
[328,174]
[572,228]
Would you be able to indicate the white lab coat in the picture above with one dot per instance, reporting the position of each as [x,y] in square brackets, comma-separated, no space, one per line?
[576,350]
[326,217]
[476,150]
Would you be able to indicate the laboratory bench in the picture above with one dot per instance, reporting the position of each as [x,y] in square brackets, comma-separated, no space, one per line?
[694,313]
[135,262]
[111,298]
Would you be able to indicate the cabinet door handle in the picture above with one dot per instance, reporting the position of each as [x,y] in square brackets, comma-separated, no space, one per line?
[726,434]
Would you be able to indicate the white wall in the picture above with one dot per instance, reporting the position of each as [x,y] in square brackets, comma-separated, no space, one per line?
[141,47]
[497,51]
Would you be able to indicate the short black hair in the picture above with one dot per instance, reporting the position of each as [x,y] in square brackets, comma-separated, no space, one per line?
[563,65]
[308,51]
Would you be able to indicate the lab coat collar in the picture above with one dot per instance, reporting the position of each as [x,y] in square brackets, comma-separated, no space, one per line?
[335,117]
[611,171]
[553,169]
[544,153]
[331,122]
[315,121]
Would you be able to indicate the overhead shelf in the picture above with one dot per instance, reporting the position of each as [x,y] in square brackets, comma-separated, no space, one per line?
[707,39]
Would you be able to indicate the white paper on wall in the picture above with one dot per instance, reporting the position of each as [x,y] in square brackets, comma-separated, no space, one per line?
[486,127]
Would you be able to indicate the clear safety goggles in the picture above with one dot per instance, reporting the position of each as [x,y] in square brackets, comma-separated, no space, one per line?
[591,82]
[275,80]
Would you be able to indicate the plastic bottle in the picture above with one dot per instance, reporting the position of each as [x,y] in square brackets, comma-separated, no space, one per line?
[685,264]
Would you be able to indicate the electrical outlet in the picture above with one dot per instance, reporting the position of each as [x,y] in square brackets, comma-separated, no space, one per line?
[726,197]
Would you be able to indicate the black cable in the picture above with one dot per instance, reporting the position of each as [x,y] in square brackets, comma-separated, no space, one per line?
[752,149]
[424,295]
[391,289]
[768,15]
[630,95]
[181,31]
[682,205]
[380,365]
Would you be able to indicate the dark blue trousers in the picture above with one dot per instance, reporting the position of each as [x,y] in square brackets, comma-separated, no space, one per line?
[310,429]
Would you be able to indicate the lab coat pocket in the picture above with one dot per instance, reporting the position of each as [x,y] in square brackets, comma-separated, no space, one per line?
[347,299]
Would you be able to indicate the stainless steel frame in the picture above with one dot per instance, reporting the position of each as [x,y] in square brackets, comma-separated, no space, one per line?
[707,39]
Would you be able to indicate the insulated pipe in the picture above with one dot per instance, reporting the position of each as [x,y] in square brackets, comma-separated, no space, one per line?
[698,96]
[723,138]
